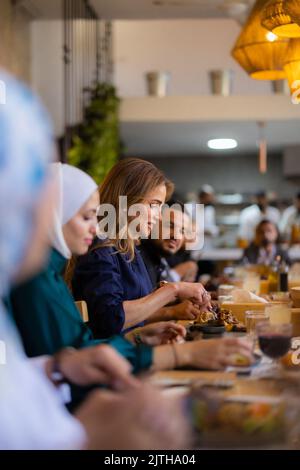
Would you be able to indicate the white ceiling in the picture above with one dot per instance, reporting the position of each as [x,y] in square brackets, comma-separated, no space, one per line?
[45,9]
[142,9]
[159,9]
[178,139]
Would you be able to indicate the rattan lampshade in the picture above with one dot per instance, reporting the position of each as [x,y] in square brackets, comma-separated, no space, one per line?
[276,18]
[261,58]
[292,7]
[292,64]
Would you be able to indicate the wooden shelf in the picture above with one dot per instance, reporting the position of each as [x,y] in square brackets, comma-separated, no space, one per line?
[208,108]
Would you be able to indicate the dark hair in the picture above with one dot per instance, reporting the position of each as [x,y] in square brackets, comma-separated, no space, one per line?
[261,193]
[172,202]
[267,221]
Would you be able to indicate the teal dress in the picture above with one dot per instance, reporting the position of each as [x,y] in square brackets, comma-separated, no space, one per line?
[48,319]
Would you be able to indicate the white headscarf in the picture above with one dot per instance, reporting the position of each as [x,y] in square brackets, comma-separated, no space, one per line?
[74,189]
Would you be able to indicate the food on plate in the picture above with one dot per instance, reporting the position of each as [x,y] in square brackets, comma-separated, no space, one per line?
[251,417]
[204,317]
[239,360]
[218,316]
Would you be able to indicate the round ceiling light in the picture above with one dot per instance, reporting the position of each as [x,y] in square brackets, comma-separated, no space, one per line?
[222,144]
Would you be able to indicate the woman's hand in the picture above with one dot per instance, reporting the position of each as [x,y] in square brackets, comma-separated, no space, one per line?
[156,334]
[186,310]
[195,292]
[215,353]
[137,419]
[95,365]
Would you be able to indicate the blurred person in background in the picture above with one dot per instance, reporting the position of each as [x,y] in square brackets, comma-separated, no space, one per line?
[211,230]
[264,249]
[205,214]
[252,215]
[290,218]
[206,198]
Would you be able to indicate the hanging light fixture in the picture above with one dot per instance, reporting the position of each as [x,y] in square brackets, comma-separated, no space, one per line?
[292,68]
[292,7]
[276,18]
[260,53]
[263,148]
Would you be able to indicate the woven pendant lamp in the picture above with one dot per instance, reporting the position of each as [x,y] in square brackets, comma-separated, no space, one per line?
[292,7]
[276,18]
[292,65]
[259,52]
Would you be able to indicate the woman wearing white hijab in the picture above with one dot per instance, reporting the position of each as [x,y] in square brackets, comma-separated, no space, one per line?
[75,188]
[31,413]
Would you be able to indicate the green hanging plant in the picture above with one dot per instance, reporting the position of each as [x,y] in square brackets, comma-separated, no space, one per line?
[96,146]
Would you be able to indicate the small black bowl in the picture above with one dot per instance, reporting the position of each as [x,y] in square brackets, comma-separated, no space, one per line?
[212,329]
[207,328]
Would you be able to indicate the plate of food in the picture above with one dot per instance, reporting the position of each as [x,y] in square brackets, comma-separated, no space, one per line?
[216,321]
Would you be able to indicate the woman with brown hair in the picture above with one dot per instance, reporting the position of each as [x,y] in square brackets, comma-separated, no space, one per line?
[112,277]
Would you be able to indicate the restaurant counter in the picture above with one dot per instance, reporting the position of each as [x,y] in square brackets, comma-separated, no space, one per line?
[236,254]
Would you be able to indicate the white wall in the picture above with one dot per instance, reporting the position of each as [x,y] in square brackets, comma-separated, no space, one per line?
[47,68]
[15,40]
[186,48]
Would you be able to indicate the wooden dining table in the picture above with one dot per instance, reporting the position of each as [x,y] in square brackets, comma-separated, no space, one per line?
[230,385]
[233,383]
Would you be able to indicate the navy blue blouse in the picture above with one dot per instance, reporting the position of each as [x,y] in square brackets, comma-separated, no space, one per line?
[105,279]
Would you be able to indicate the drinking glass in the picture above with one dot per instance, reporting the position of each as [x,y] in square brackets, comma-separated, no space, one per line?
[225,289]
[279,312]
[253,318]
[274,341]
[251,283]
